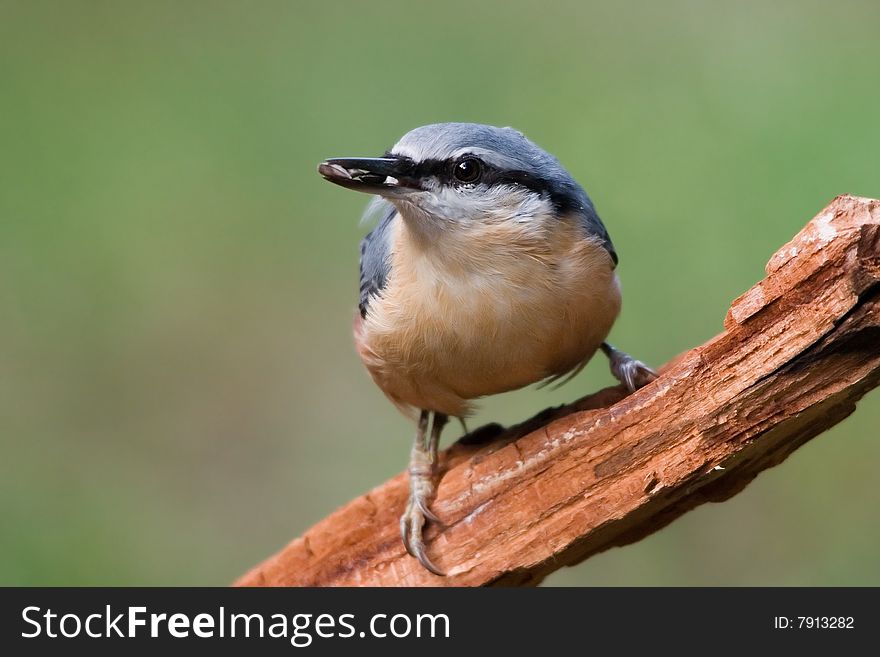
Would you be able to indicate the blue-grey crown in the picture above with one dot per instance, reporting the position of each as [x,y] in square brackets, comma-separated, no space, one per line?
[513,158]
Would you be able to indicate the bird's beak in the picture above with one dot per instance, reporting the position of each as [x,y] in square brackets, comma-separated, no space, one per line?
[386,176]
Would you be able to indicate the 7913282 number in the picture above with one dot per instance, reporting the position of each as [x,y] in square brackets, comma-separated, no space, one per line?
[825,622]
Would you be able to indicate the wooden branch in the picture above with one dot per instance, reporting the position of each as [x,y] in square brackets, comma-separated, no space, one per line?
[798,351]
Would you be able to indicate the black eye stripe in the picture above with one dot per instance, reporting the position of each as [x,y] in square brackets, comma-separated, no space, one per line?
[562,199]
[443,170]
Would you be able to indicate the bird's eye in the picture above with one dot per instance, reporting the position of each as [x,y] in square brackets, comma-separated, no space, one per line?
[467,170]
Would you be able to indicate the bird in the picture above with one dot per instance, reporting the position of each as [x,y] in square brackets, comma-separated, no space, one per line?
[488,270]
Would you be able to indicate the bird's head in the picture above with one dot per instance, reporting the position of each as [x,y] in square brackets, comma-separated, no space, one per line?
[460,173]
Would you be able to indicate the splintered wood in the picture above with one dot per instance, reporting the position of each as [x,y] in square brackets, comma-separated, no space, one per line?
[798,351]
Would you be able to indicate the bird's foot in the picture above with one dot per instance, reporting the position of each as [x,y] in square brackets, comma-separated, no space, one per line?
[634,374]
[413,520]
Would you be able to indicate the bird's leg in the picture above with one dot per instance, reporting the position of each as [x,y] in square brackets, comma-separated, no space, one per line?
[633,373]
[440,421]
[422,463]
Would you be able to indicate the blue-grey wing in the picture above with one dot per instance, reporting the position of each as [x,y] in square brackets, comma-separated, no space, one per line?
[594,226]
[582,207]
[375,254]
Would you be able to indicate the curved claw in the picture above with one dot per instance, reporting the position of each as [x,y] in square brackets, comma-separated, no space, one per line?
[637,375]
[404,533]
[411,524]
[430,515]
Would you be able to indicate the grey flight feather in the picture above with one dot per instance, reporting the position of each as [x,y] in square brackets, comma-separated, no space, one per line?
[375,251]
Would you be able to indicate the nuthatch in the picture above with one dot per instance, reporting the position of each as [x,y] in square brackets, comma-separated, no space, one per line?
[489,270]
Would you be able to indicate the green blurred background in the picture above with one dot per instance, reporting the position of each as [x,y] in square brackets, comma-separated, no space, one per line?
[179,394]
